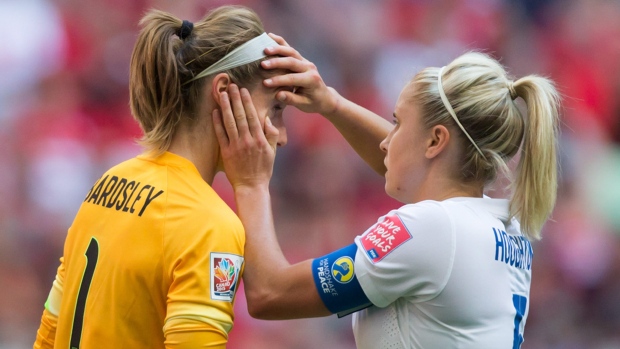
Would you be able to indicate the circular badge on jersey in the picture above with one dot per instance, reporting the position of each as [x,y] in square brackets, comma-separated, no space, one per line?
[342,270]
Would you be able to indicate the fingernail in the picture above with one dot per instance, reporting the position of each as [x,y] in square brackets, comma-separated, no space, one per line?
[267,63]
[281,97]
[269,49]
[268,81]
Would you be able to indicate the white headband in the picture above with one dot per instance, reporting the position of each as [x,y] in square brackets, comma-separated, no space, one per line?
[446,103]
[249,52]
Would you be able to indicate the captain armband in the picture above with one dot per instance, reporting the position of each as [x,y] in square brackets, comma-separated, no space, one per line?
[335,280]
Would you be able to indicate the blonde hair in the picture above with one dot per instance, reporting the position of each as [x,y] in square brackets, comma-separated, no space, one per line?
[482,96]
[162,62]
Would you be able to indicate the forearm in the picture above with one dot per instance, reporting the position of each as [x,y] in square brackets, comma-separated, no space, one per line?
[362,129]
[274,288]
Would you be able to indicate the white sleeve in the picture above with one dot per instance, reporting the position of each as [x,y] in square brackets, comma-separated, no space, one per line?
[408,253]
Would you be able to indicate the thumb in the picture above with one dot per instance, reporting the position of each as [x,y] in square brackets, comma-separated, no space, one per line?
[271,133]
[293,99]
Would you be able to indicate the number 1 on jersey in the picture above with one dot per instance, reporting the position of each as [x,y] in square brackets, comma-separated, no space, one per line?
[92,254]
[520,303]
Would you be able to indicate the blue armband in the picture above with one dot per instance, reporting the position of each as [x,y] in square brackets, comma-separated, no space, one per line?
[335,280]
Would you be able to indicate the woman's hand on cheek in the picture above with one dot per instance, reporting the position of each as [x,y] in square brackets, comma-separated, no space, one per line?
[248,150]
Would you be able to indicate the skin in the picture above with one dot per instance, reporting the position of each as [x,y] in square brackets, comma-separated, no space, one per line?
[361,128]
[197,142]
[422,162]
[274,288]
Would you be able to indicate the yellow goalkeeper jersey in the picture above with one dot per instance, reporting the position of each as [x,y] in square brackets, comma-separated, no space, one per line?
[152,260]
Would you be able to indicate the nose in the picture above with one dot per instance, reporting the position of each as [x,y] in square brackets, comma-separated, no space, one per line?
[383,145]
[282,138]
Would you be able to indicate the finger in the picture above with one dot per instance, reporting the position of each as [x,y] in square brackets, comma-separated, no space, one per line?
[303,80]
[271,133]
[287,63]
[228,118]
[254,123]
[220,132]
[293,99]
[284,51]
[239,110]
[280,40]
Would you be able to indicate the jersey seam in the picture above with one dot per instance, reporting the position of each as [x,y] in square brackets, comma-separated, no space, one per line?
[452,253]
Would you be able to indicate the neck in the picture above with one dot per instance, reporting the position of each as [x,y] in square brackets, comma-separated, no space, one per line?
[198,144]
[439,185]
[440,189]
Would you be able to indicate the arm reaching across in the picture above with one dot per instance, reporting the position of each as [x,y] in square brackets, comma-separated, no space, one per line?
[274,288]
[362,129]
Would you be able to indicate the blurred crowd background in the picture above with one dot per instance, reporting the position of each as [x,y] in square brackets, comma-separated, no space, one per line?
[64,119]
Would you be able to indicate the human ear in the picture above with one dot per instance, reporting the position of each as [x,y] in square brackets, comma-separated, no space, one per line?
[438,141]
[218,85]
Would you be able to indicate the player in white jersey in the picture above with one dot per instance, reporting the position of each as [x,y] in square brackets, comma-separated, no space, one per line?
[452,267]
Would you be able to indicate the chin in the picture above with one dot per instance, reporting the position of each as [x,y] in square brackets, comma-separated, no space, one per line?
[396,193]
[390,191]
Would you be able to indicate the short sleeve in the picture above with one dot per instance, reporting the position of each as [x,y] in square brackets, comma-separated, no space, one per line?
[408,253]
[204,261]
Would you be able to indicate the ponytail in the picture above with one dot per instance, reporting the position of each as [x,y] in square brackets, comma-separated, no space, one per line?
[535,184]
[154,83]
[483,98]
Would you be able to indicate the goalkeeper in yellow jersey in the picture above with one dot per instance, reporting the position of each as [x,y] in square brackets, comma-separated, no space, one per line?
[154,256]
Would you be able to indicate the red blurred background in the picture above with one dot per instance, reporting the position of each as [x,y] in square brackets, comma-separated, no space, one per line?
[64,119]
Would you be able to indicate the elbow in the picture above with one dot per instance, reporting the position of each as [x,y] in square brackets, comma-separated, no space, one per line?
[260,306]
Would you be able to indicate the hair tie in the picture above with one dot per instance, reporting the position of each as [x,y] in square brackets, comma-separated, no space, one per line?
[512,91]
[186,29]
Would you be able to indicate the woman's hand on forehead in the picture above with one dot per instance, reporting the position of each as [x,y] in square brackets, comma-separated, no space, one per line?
[303,86]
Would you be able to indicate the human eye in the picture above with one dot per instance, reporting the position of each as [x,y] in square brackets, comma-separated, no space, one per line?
[394,119]
[277,109]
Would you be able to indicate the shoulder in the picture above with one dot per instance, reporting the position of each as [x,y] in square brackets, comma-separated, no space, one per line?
[412,226]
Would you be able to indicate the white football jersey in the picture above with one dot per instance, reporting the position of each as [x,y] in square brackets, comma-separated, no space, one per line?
[450,274]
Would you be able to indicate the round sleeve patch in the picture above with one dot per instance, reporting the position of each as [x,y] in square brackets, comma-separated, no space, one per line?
[342,270]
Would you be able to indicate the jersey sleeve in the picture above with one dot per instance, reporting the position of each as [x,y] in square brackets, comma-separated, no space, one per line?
[408,253]
[49,320]
[204,264]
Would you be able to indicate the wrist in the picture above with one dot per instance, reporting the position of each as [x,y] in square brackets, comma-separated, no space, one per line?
[251,189]
[334,109]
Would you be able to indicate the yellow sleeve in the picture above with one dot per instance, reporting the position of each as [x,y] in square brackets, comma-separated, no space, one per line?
[46,332]
[49,320]
[187,333]
[204,263]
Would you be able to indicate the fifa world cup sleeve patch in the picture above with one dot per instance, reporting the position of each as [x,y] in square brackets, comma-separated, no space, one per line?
[335,280]
[225,274]
[384,237]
